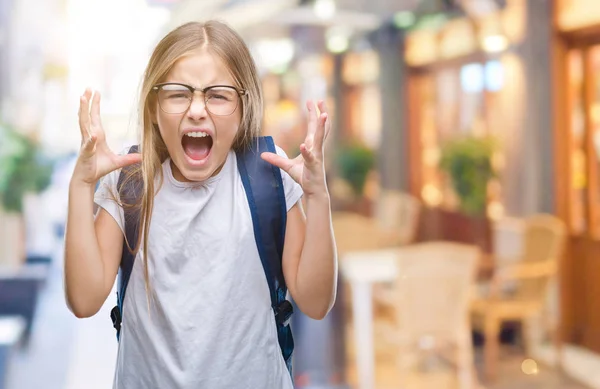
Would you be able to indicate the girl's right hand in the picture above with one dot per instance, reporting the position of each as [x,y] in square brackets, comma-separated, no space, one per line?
[95,158]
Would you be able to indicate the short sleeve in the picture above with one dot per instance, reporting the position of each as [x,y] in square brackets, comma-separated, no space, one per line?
[107,197]
[293,190]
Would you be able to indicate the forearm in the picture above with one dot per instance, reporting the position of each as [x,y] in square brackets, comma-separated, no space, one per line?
[84,270]
[316,281]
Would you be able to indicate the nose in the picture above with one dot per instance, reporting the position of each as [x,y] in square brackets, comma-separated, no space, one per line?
[197,108]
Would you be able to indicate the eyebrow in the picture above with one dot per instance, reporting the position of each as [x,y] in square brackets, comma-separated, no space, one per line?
[213,83]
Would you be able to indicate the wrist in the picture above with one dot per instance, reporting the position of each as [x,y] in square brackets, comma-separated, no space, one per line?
[78,185]
[321,195]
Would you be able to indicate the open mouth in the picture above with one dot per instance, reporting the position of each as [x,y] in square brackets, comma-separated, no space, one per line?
[197,145]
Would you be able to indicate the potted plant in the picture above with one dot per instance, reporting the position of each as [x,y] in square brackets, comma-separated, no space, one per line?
[23,170]
[355,162]
[468,163]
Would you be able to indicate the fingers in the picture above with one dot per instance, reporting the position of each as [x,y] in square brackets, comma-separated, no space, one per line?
[312,124]
[308,155]
[323,109]
[84,115]
[95,110]
[277,160]
[321,130]
[89,115]
[318,127]
[128,159]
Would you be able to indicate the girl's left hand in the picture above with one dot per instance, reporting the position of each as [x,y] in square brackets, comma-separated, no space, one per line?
[308,168]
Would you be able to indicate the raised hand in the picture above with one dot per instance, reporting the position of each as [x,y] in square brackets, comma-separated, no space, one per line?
[95,158]
[308,168]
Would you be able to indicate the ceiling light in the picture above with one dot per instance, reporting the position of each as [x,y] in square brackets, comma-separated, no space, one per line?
[337,44]
[324,9]
[495,43]
[275,54]
[338,39]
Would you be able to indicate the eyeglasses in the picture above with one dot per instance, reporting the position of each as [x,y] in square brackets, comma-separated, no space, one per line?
[176,98]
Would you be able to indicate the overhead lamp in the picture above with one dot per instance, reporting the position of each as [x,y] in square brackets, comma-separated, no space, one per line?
[495,43]
[337,44]
[275,55]
[324,9]
[492,36]
[337,39]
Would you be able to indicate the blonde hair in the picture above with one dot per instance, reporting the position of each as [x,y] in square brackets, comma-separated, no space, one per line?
[225,43]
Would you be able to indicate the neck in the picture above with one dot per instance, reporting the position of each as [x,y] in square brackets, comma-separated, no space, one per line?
[181,178]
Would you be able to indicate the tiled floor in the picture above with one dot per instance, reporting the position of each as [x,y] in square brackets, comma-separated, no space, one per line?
[510,376]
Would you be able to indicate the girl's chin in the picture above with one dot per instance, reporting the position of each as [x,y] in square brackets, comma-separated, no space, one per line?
[194,170]
[186,172]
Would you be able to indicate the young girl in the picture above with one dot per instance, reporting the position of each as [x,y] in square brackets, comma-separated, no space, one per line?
[197,312]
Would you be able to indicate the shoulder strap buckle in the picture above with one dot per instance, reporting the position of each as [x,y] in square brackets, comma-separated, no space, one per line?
[283,313]
[115,316]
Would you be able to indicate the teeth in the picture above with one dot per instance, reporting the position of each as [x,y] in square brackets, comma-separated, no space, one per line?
[197,134]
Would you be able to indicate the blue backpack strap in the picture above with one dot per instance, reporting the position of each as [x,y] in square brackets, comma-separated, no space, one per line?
[263,185]
[129,187]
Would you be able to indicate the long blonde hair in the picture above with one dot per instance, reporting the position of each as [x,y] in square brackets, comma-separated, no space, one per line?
[225,43]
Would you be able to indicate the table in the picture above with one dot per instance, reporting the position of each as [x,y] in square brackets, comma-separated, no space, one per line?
[362,269]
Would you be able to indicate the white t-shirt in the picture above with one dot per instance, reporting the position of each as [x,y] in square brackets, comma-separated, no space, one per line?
[210,323]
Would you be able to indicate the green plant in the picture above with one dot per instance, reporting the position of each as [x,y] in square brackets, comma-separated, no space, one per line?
[354,162]
[468,163]
[23,168]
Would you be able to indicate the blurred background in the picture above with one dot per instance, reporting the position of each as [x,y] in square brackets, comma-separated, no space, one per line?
[464,170]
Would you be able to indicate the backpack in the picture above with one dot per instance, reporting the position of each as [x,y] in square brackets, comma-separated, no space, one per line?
[263,185]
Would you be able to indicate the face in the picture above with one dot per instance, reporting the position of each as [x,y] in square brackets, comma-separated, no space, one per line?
[198,141]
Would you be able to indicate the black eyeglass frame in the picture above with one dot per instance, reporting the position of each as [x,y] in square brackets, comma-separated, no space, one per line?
[240,91]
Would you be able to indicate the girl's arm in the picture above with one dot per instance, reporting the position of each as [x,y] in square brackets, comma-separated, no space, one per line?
[92,248]
[309,256]
[92,252]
